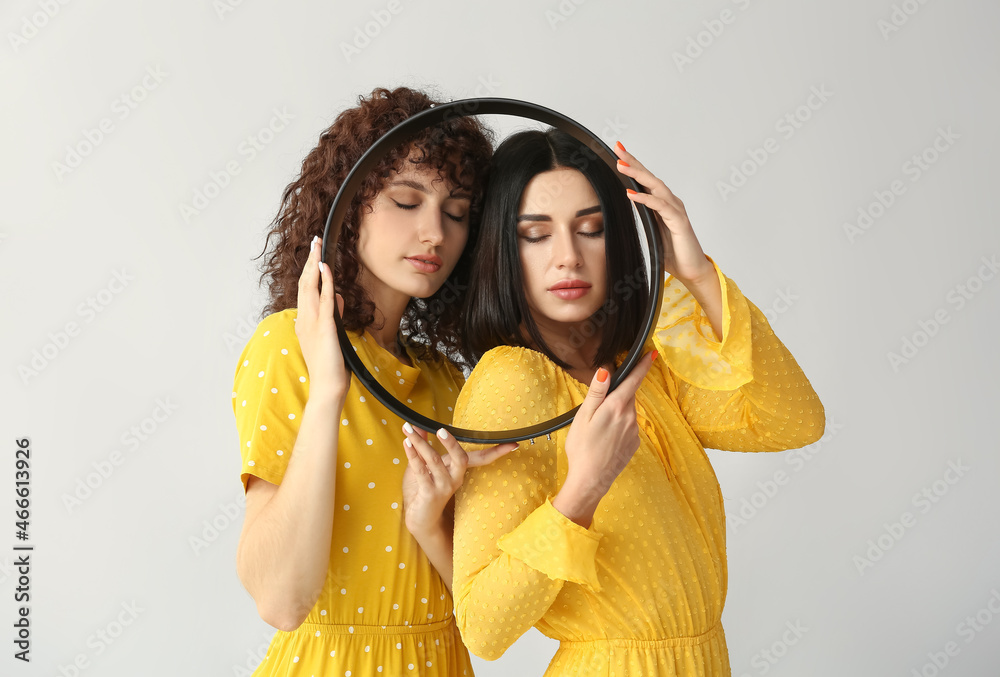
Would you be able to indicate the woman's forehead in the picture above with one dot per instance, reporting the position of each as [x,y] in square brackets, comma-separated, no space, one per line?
[556,191]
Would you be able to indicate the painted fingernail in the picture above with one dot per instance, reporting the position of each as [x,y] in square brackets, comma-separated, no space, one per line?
[406,441]
[631,192]
[655,353]
[602,375]
[619,146]
[443,434]
[312,245]
[407,428]
[623,163]
[319,264]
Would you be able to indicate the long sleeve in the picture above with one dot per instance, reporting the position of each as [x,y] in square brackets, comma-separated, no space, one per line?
[514,551]
[743,393]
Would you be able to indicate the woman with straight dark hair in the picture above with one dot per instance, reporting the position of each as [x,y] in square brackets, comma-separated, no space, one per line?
[345,548]
[610,536]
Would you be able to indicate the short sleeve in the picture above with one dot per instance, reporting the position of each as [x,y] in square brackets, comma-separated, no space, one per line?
[270,389]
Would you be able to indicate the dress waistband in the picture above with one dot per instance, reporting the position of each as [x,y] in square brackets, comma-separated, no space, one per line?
[636,643]
[319,629]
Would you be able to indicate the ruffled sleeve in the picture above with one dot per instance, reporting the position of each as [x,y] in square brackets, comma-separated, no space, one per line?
[686,340]
[513,550]
[743,393]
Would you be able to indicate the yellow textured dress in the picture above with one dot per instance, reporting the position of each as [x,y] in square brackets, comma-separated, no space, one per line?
[383,609]
[641,591]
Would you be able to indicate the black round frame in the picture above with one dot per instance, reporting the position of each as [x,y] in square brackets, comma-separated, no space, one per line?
[487,106]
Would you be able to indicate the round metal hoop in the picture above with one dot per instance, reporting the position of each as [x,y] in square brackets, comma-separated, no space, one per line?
[487,106]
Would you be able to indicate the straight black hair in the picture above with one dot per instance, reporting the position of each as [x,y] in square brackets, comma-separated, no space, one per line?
[495,306]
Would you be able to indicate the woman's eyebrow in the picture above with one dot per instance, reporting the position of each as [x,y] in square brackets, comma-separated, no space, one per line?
[545,217]
[410,184]
[416,185]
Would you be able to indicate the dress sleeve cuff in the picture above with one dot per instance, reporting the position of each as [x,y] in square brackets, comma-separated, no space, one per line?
[553,544]
[685,338]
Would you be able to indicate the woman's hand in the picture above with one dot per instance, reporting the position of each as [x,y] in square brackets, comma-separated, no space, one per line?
[430,480]
[316,329]
[601,441]
[683,256]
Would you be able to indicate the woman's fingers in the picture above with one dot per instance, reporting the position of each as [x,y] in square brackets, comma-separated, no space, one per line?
[326,297]
[308,301]
[417,467]
[430,457]
[598,389]
[486,456]
[630,166]
[457,459]
[626,389]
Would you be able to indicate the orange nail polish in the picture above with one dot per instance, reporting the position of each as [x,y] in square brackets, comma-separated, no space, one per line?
[602,375]
[631,192]
[619,146]
[655,354]
[623,163]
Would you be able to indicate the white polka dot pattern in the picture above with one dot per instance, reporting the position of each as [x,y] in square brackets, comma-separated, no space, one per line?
[377,572]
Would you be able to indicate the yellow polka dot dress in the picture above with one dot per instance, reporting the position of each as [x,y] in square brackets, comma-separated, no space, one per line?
[383,608]
[641,591]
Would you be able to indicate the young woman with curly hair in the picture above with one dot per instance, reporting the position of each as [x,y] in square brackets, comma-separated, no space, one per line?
[346,547]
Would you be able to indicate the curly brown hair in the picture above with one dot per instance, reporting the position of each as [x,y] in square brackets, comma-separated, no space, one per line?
[460,148]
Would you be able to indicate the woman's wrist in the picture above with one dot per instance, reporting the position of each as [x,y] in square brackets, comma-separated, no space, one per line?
[578,501]
[428,529]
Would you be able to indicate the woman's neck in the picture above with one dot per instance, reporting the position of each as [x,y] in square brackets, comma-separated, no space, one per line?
[389,308]
[570,343]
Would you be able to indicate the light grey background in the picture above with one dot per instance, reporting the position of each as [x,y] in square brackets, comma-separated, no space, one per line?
[841,302]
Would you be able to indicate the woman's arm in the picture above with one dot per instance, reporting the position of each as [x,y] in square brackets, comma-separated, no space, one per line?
[284,548]
[429,485]
[743,391]
[519,536]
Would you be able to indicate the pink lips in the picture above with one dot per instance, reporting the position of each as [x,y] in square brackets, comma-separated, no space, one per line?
[569,290]
[425,264]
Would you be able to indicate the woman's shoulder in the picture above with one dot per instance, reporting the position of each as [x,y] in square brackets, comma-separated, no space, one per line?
[504,371]
[503,359]
[276,332]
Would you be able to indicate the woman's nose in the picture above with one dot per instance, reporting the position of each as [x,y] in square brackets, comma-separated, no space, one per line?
[565,253]
[430,229]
